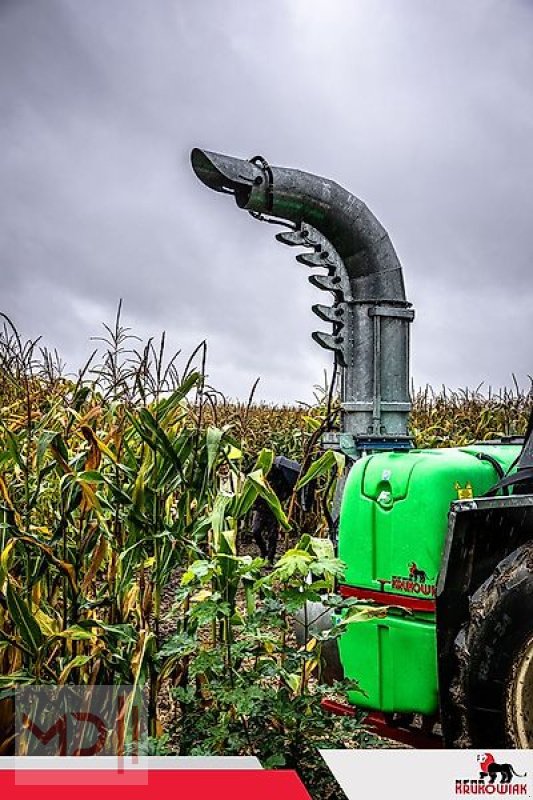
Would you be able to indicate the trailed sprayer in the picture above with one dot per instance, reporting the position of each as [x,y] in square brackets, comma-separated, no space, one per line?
[443,538]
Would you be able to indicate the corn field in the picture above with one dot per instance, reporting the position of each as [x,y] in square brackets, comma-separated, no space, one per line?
[442,418]
[133,483]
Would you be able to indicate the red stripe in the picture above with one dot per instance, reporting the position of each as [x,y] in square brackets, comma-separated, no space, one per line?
[389,599]
[200,785]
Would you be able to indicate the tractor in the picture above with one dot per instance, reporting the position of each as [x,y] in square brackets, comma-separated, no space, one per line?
[441,538]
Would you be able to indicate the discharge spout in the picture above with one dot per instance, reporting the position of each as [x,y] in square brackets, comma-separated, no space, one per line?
[289,194]
[374,311]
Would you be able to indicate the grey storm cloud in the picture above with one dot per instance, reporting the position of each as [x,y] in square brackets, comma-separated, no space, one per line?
[424,110]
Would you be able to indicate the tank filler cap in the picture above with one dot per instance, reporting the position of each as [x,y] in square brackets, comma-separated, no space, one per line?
[385,499]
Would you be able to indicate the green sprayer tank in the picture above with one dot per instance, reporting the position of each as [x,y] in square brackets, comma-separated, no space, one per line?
[392,530]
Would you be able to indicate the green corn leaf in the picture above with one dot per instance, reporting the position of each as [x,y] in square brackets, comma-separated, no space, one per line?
[45,440]
[242,503]
[270,497]
[77,661]
[63,566]
[322,466]
[13,447]
[23,619]
[153,434]
[213,439]
[167,560]
[75,634]
[169,404]
[264,462]
[60,447]
[218,515]
[19,678]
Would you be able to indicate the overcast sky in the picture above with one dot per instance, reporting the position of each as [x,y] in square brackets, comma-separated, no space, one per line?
[422,109]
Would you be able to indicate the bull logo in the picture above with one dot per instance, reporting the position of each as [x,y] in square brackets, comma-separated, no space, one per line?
[417,575]
[416,582]
[491,769]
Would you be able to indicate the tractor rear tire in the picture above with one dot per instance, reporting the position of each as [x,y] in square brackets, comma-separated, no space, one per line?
[493,687]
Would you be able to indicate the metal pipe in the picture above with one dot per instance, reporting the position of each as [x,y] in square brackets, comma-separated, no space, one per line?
[375,382]
[289,194]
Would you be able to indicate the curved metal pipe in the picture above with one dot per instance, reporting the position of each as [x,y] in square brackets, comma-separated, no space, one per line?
[362,242]
[372,332]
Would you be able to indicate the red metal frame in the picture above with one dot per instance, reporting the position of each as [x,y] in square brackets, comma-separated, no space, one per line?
[387,598]
[378,724]
[408,734]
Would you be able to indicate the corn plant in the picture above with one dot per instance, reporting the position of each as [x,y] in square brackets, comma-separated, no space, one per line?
[109,484]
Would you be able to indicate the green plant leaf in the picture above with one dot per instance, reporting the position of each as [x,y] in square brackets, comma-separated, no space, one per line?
[23,618]
[213,439]
[323,466]
[257,480]
[264,461]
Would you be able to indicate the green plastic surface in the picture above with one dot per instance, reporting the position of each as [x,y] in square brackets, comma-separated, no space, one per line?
[393,525]
[395,509]
[394,662]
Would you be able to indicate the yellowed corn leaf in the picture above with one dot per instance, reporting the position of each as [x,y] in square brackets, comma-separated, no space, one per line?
[63,566]
[97,445]
[93,456]
[147,602]
[5,560]
[310,667]
[93,413]
[47,624]
[130,600]
[96,562]
[7,499]
[44,531]
[36,594]
[90,500]
[5,494]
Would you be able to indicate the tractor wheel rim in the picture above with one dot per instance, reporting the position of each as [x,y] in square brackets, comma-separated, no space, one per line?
[520,698]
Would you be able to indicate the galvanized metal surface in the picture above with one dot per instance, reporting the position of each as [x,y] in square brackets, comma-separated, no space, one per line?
[370,314]
[493,503]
